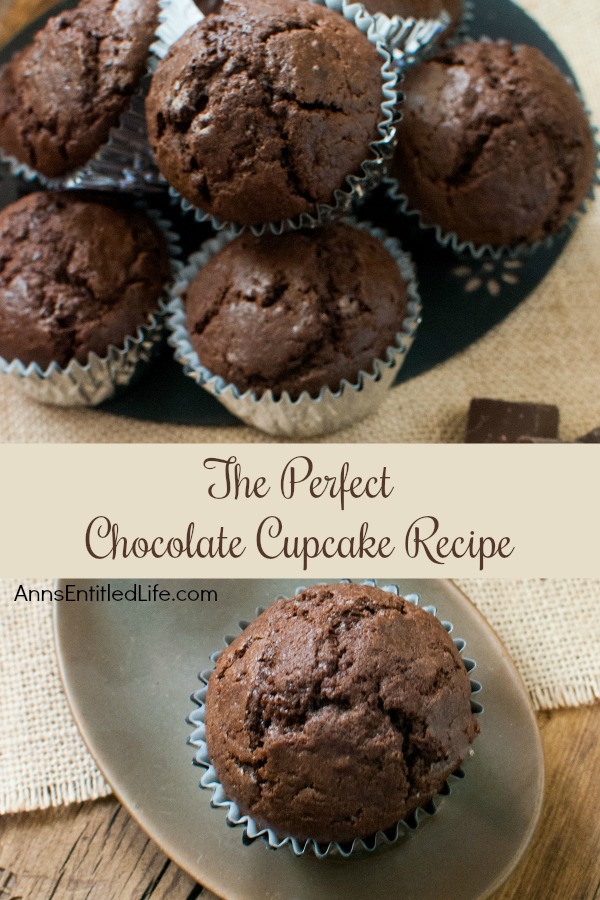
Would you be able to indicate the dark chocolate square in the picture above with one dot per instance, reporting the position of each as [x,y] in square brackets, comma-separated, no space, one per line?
[504,422]
[592,437]
[526,439]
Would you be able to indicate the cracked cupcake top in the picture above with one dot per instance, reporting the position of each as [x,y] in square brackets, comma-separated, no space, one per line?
[494,145]
[298,311]
[75,277]
[61,95]
[337,712]
[259,112]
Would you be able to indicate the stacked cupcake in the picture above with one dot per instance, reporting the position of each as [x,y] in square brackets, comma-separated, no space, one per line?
[83,276]
[273,118]
[269,121]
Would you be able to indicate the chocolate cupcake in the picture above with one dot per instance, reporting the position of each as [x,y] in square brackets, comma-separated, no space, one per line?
[296,312]
[337,713]
[61,96]
[261,112]
[78,278]
[290,331]
[495,148]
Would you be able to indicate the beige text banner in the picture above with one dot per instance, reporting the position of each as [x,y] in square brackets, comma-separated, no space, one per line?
[320,511]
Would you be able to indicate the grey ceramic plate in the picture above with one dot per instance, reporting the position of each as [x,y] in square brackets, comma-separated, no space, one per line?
[129,669]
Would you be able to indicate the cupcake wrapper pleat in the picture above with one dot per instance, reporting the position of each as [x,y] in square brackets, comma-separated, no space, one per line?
[96,381]
[172,24]
[464,27]
[411,40]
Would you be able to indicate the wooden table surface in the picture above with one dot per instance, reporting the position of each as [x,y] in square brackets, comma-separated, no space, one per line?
[94,851]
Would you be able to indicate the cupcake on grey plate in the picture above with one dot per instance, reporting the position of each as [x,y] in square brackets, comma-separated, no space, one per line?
[272,113]
[299,333]
[62,97]
[81,288]
[495,149]
[336,714]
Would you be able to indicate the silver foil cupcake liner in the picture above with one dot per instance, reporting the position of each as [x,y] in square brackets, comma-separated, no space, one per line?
[411,40]
[174,19]
[359,846]
[487,251]
[305,416]
[100,378]
[177,16]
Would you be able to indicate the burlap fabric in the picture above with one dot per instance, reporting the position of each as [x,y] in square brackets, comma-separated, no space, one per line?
[551,629]
[547,350]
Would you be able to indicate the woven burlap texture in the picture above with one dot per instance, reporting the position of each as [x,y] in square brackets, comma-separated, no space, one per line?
[551,629]
[547,350]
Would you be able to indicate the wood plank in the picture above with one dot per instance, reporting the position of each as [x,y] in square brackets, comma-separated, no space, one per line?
[94,851]
[89,851]
[563,860]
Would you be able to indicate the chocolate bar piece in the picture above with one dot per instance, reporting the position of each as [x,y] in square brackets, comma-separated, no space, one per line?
[592,437]
[526,439]
[503,422]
